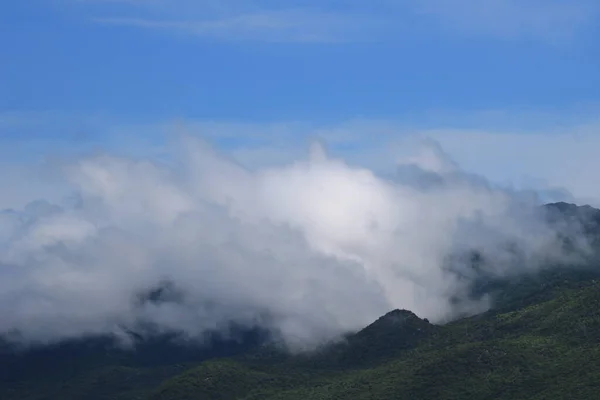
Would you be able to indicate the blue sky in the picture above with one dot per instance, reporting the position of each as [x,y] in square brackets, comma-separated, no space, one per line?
[479,76]
[137,59]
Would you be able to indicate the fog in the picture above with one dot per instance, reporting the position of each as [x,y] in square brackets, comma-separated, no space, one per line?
[308,249]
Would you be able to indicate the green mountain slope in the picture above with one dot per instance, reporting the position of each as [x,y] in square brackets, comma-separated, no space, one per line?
[547,350]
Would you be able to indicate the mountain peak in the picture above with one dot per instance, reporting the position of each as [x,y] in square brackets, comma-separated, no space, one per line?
[399,323]
[399,314]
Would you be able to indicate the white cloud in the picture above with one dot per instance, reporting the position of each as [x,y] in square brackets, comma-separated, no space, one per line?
[556,157]
[312,248]
[545,160]
[547,153]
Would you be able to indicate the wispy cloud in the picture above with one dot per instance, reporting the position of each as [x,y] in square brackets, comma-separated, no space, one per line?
[271,26]
[331,21]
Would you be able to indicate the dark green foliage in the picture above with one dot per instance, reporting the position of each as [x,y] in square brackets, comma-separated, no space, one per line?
[390,335]
[97,368]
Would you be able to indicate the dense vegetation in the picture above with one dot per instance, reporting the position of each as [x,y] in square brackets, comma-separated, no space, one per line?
[540,341]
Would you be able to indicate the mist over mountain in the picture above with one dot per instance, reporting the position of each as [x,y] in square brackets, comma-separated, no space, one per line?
[307,250]
[201,278]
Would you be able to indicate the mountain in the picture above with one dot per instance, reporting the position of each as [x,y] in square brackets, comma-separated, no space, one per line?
[541,340]
[547,350]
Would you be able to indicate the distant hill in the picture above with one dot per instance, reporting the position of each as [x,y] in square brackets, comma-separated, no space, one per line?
[540,341]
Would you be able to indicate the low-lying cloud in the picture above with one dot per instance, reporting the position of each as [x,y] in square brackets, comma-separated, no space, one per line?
[310,249]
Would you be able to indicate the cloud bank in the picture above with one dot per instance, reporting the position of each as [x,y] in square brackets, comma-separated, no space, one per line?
[309,249]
